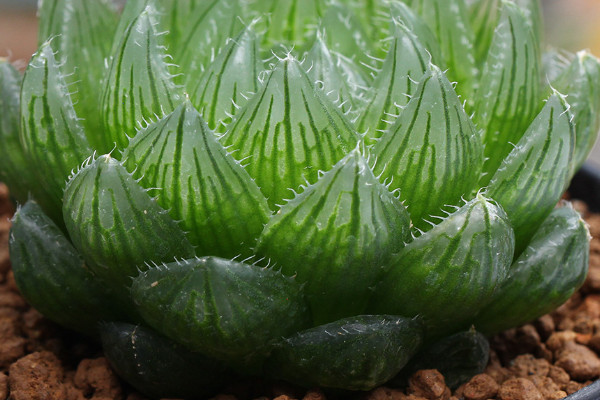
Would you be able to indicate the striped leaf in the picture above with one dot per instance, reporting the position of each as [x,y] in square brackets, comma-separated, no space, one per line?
[13,167]
[533,177]
[225,309]
[533,11]
[579,82]
[228,81]
[448,273]
[432,153]
[356,353]
[116,225]
[290,131]
[219,205]
[52,276]
[336,237]
[404,66]
[552,267]
[483,16]
[51,133]
[508,98]
[82,33]
[449,21]
[140,85]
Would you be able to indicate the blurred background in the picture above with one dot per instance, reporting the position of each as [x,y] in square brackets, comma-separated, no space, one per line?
[570,24]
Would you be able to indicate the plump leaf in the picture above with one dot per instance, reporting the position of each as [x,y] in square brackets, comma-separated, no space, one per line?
[432,153]
[404,66]
[356,353]
[52,276]
[483,16]
[508,98]
[158,367]
[228,81]
[545,275]
[140,83]
[226,309]
[14,169]
[51,132]
[116,225]
[350,224]
[532,178]
[579,82]
[289,131]
[200,183]
[447,274]
[82,33]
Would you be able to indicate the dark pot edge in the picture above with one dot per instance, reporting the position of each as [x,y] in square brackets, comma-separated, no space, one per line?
[586,186]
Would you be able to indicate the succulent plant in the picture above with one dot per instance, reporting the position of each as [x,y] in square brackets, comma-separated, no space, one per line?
[309,191]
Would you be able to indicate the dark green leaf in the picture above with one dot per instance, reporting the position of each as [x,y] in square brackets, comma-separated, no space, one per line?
[219,205]
[337,237]
[225,309]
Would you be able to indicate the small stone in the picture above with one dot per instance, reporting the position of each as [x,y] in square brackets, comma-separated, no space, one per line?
[499,374]
[429,384]
[95,377]
[384,393]
[480,387]
[37,376]
[3,386]
[527,365]
[559,376]
[573,386]
[557,340]
[578,361]
[519,389]
[314,394]
[544,326]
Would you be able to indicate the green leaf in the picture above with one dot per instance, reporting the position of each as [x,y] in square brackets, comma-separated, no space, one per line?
[116,225]
[356,353]
[52,276]
[228,81]
[547,273]
[447,274]
[14,169]
[533,177]
[579,82]
[158,367]
[432,153]
[225,309]
[289,131]
[483,16]
[140,83]
[533,11]
[82,34]
[219,205]
[52,135]
[336,237]
[404,66]
[449,21]
[508,98]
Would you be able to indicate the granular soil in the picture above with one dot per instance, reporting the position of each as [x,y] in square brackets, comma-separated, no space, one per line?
[546,359]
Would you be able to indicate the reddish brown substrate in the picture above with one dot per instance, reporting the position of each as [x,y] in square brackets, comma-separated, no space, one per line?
[545,360]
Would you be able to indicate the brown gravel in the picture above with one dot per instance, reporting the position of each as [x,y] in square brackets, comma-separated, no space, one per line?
[547,359]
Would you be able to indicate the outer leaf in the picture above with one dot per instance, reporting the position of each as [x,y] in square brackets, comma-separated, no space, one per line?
[546,274]
[531,180]
[51,133]
[82,33]
[228,81]
[290,131]
[432,153]
[448,273]
[449,21]
[158,367]
[337,236]
[403,68]
[225,309]
[115,224]
[484,15]
[139,85]
[509,94]
[580,83]
[52,276]
[356,353]
[201,185]
[13,167]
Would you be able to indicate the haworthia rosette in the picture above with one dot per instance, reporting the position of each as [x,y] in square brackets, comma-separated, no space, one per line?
[432,153]
[448,273]
[139,86]
[222,308]
[533,177]
[336,237]
[288,131]
[200,183]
